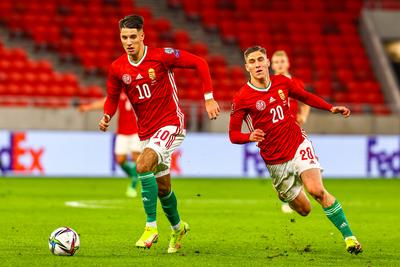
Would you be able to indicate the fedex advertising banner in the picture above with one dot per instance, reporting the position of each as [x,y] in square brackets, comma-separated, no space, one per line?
[77,154]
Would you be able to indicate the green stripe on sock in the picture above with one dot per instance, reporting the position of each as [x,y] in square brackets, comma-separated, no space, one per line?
[149,195]
[336,215]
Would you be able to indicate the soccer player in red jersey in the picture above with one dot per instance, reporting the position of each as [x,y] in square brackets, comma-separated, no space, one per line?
[284,146]
[127,140]
[300,111]
[145,74]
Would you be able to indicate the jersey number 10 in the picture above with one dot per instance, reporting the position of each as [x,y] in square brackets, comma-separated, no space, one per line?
[144,91]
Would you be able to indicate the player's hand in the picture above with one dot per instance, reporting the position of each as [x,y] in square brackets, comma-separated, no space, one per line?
[257,135]
[104,123]
[212,108]
[342,110]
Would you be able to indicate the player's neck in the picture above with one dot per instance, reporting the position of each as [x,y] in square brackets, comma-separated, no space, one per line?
[136,58]
[260,83]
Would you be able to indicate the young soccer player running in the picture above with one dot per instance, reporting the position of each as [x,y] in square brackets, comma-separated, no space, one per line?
[146,76]
[127,140]
[284,146]
[280,65]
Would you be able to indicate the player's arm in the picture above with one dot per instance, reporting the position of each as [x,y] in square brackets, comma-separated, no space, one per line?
[303,113]
[183,59]
[316,101]
[95,105]
[114,88]
[235,129]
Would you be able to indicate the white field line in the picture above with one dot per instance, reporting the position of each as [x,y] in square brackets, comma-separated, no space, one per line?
[118,203]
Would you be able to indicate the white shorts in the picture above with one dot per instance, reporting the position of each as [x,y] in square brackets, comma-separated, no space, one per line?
[286,176]
[164,142]
[126,144]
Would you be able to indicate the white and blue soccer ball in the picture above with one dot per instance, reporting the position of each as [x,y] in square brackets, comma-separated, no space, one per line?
[64,241]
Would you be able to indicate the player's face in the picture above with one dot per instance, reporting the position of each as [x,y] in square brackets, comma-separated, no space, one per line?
[132,41]
[257,65]
[280,64]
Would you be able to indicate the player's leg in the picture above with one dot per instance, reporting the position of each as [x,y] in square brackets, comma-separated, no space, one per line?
[145,166]
[165,147]
[301,204]
[169,204]
[134,148]
[313,183]
[121,151]
[289,187]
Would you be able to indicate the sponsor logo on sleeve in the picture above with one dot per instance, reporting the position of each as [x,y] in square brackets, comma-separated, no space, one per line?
[168,50]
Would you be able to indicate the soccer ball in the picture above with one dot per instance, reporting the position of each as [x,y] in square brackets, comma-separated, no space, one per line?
[64,241]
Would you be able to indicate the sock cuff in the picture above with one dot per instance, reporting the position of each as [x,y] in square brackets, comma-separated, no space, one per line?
[333,209]
[145,175]
[167,196]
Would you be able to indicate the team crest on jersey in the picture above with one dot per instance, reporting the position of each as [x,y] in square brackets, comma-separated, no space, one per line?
[281,94]
[126,78]
[260,105]
[152,74]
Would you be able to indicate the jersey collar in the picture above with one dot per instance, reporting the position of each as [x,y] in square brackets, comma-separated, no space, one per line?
[141,60]
[258,88]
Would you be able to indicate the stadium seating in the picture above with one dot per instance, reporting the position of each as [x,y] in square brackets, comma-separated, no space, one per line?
[24,82]
[83,32]
[321,38]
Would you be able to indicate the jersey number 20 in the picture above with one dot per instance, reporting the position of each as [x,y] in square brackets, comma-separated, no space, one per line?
[277,114]
[144,91]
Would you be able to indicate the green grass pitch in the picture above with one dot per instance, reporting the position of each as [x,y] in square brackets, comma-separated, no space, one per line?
[233,223]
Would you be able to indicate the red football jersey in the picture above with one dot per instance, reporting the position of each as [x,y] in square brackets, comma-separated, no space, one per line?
[268,109]
[150,87]
[294,105]
[126,117]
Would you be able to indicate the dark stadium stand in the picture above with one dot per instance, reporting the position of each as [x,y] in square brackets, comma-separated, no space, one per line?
[321,38]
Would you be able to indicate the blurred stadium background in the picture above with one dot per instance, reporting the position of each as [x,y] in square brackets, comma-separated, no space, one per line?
[55,54]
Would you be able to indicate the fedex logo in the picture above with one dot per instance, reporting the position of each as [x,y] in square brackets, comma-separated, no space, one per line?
[383,158]
[19,157]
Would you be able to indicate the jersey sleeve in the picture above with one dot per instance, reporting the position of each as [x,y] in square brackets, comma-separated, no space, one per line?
[174,58]
[235,124]
[114,87]
[307,97]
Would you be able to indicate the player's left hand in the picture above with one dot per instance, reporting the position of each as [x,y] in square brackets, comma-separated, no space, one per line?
[342,110]
[212,108]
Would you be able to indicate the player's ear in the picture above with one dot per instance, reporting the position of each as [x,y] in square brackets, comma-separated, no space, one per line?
[247,68]
[268,63]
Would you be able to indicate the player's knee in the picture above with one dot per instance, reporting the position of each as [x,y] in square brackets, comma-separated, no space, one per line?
[142,167]
[163,191]
[317,193]
[305,211]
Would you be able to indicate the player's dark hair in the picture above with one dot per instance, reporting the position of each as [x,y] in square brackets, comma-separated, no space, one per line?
[254,49]
[132,22]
